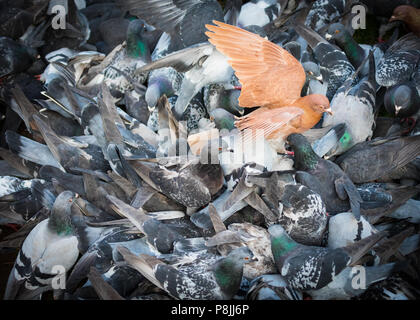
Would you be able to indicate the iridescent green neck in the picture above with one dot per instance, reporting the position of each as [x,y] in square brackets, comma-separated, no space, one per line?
[61,224]
[353,50]
[228,274]
[346,140]
[136,47]
[305,157]
[281,245]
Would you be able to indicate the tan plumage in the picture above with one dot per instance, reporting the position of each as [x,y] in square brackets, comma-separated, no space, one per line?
[271,78]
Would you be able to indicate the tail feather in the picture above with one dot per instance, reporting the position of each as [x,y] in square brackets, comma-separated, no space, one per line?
[31,150]
[143,264]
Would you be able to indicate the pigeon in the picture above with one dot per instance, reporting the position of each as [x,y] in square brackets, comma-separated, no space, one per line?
[217,96]
[104,290]
[384,8]
[409,15]
[201,64]
[209,277]
[322,13]
[348,283]
[128,59]
[387,154]
[183,21]
[312,267]
[15,56]
[184,186]
[255,238]
[282,104]
[324,177]
[304,214]
[151,227]
[103,256]
[393,288]
[335,66]
[299,210]
[399,62]
[355,106]
[355,52]
[18,203]
[402,100]
[50,244]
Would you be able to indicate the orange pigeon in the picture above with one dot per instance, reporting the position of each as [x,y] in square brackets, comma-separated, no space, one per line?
[271,78]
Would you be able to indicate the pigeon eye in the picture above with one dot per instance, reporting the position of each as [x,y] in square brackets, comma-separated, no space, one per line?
[246,258]
[337,31]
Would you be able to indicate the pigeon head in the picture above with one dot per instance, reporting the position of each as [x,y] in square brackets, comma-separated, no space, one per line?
[136,43]
[305,157]
[242,254]
[312,70]
[228,271]
[317,102]
[402,100]
[401,13]
[60,218]
[336,31]
[296,140]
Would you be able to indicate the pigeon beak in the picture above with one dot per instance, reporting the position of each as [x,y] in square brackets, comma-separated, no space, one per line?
[328,36]
[393,18]
[253,259]
[397,109]
[151,109]
[319,78]
[329,111]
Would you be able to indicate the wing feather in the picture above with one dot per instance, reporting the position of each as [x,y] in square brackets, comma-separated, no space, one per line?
[270,76]
[274,122]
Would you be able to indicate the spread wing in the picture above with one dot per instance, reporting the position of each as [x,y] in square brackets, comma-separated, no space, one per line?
[270,76]
[275,122]
[162,14]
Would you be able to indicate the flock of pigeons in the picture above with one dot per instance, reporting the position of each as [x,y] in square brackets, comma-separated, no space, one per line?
[132,165]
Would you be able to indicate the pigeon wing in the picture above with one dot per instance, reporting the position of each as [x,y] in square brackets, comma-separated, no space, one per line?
[270,76]
[182,60]
[165,15]
[272,121]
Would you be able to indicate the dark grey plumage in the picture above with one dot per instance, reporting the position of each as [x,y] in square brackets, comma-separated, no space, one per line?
[402,100]
[324,177]
[311,267]
[369,161]
[183,20]
[335,66]
[196,276]
[399,62]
